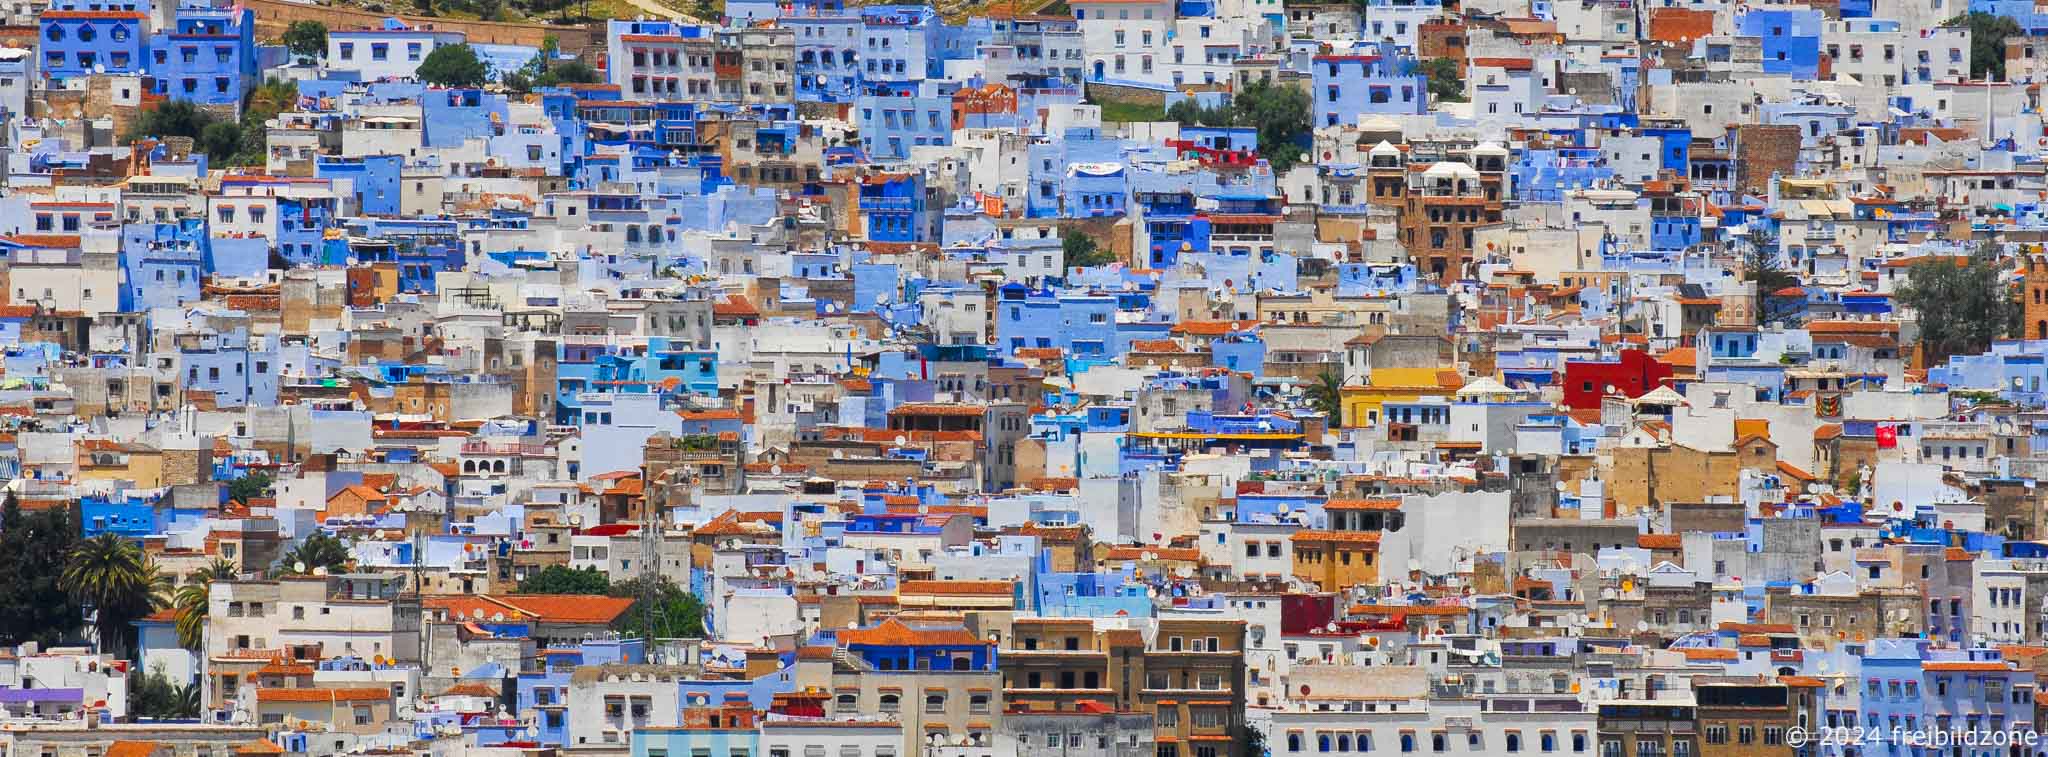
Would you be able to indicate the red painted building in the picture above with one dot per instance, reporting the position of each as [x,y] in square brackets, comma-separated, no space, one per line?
[1633,374]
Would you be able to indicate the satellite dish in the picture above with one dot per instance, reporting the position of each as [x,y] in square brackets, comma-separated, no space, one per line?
[775,470]
[497,617]
[320,571]
[902,440]
[477,613]
[298,566]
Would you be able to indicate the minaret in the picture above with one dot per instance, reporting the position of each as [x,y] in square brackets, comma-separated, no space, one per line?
[2034,297]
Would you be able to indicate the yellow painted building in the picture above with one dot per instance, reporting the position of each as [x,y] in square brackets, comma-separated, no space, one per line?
[1362,403]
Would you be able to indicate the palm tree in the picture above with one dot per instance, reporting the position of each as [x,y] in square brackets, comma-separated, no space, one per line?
[1327,395]
[191,601]
[274,96]
[112,576]
[317,552]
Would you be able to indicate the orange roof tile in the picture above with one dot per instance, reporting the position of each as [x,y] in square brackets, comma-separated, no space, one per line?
[1964,666]
[322,695]
[1362,504]
[893,632]
[1708,653]
[131,749]
[1347,537]
[957,588]
[1659,541]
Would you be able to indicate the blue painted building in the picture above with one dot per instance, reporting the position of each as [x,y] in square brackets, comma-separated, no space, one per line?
[1376,81]
[1790,39]
[890,125]
[163,262]
[374,178]
[827,57]
[208,56]
[895,210]
[83,42]
[1094,190]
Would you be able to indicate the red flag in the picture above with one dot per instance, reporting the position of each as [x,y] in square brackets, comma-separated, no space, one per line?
[1887,436]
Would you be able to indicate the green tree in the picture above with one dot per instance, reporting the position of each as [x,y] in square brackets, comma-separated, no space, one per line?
[34,605]
[251,486]
[573,72]
[154,695]
[1191,113]
[1446,85]
[318,552]
[262,104]
[181,118]
[1987,42]
[1960,308]
[1280,114]
[1761,264]
[1326,395]
[677,614]
[454,66]
[306,39]
[113,577]
[1080,251]
[562,579]
[190,601]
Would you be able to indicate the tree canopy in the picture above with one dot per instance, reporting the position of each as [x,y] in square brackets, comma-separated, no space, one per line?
[1445,83]
[249,487]
[318,552]
[1960,308]
[1080,251]
[306,39]
[1987,42]
[34,547]
[562,579]
[113,577]
[1279,113]
[454,66]
[677,614]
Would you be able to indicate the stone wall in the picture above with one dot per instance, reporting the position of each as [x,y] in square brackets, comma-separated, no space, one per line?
[272,16]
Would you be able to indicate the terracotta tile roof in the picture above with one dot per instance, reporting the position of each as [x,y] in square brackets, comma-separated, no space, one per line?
[957,588]
[322,695]
[48,240]
[259,746]
[1362,504]
[937,408]
[1213,328]
[1708,653]
[1182,554]
[1660,541]
[1963,666]
[1347,537]
[738,307]
[467,690]
[131,749]
[895,633]
[732,523]
[1793,471]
